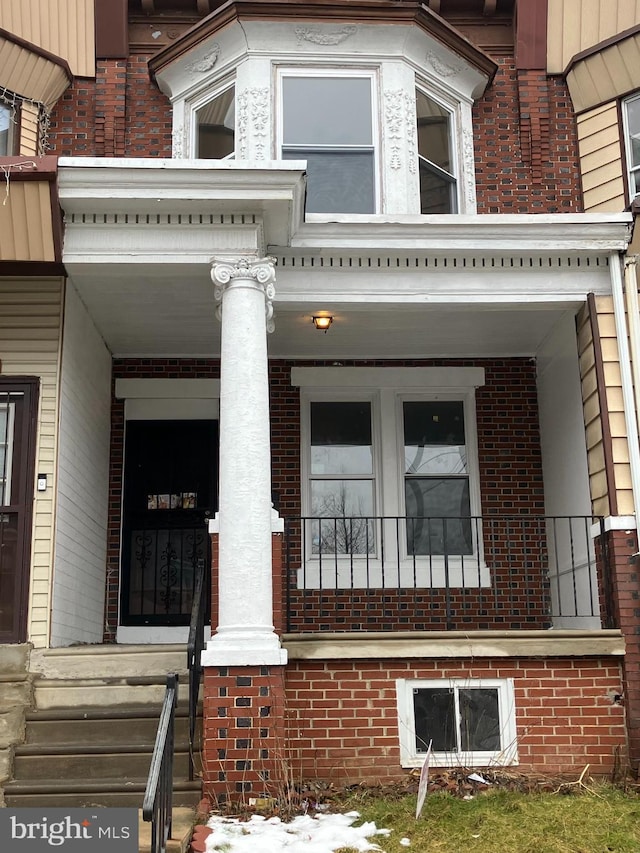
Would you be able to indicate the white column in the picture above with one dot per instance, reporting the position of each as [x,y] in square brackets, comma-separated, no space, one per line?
[245,634]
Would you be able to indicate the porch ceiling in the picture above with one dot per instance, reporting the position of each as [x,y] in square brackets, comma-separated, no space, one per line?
[168,310]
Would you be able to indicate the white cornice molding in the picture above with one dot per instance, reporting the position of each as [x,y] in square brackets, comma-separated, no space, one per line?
[513,234]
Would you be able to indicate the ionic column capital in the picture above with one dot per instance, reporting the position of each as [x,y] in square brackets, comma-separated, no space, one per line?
[256,273]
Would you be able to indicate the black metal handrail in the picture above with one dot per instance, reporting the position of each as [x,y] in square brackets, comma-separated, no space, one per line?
[157,804]
[517,571]
[195,646]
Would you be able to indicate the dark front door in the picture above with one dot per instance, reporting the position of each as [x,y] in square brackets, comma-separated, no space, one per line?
[170,492]
[18,412]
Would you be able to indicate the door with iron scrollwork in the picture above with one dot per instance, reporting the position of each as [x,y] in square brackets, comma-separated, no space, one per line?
[170,492]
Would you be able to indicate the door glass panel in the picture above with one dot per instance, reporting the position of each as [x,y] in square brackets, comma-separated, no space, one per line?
[8,564]
[7,417]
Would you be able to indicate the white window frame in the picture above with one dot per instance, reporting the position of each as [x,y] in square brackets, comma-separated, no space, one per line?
[506,755]
[353,384]
[201,100]
[367,72]
[631,170]
[454,145]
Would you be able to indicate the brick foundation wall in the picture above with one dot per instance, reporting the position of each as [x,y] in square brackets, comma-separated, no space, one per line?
[243,738]
[625,589]
[343,724]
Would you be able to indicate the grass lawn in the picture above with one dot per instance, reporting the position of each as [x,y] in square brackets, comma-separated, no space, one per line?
[600,820]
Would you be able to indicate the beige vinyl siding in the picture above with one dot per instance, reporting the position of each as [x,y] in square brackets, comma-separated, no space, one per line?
[29,132]
[606,74]
[26,228]
[63,27]
[615,411]
[576,25]
[601,162]
[83,480]
[30,333]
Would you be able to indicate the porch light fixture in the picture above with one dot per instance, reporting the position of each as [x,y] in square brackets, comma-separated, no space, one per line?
[322,322]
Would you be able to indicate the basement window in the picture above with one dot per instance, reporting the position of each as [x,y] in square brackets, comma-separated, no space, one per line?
[469,722]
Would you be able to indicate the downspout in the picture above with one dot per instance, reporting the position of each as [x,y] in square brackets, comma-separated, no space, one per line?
[629,399]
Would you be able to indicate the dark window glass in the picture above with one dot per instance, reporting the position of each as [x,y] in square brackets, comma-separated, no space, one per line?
[434,713]
[479,720]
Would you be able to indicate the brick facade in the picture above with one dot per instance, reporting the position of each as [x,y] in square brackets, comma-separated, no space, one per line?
[510,483]
[524,130]
[343,723]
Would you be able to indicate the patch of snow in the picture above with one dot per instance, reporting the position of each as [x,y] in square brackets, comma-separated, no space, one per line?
[323,833]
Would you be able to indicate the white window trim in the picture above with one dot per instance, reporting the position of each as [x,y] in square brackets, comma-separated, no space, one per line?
[507,755]
[369,72]
[387,389]
[630,169]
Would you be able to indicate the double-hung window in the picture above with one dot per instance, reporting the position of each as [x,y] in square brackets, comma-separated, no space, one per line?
[328,120]
[390,491]
[436,478]
[631,122]
[438,189]
[341,483]
[467,722]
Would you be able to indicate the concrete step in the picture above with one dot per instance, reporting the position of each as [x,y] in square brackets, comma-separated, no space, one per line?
[104,661]
[100,725]
[103,792]
[14,662]
[129,762]
[181,830]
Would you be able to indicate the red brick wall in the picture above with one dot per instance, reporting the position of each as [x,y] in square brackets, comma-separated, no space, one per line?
[511,484]
[524,132]
[525,144]
[343,724]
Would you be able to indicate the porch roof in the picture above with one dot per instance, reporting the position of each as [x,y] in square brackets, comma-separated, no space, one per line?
[140,235]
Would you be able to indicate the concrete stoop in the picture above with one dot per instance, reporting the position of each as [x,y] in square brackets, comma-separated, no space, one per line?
[91,727]
[181,831]
[16,696]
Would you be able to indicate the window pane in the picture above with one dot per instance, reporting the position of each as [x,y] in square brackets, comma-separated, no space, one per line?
[437,194]
[438,513]
[434,714]
[5,131]
[327,111]
[434,440]
[338,498]
[479,720]
[341,439]
[433,132]
[344,502]
[337,181]
[216,127]
[633,122]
